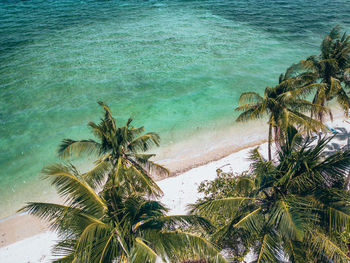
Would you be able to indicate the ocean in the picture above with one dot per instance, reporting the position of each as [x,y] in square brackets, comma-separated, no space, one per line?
[176,67]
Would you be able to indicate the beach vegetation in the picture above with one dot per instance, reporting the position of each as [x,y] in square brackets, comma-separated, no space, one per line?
[116,226]
[225,185]
[332,71]
[111,213]
[296,209]
[324,76]
[284,105]
[122,155]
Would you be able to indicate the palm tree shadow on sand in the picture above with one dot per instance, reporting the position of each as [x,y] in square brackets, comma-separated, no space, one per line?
[341,141]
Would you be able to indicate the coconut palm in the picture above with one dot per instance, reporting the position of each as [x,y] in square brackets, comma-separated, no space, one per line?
[114,226]
[118,149]
[283,104]
[296,210]
[332,68]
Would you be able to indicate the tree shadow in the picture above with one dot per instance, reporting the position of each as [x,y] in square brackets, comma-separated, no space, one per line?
[340,141]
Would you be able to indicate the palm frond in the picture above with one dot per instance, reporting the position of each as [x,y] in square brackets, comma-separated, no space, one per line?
[343,100]
[63,251]
[324,248]
[306,90]
[250,114]
[96,176]
[334,168]
[144,178]
[75,191]
[144,142]
[267,250]
[59,217]
[151,167]
[253,221]
[227,205]
[180,246]
[288,221]
[108,114]
[295,250]
[334,209]
[89,239]
[180,221]
[142,253]
[247,97]
[70,147]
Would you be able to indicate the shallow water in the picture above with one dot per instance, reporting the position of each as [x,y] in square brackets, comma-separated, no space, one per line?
[177,67]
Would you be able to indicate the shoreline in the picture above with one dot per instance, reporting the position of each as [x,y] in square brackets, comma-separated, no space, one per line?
[204,147]
[17,227]
[179,191]
[178,171]
[193,150]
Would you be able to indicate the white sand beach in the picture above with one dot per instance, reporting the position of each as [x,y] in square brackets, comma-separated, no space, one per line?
[179,191]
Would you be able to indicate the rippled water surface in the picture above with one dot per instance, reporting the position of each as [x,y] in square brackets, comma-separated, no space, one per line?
[175,66]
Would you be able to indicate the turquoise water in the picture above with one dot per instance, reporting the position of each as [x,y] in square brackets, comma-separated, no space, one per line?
[175,66]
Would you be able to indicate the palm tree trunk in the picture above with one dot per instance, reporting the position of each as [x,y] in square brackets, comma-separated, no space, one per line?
[277,137]
[347,181]
[321,119]
[318,115]
[270,141]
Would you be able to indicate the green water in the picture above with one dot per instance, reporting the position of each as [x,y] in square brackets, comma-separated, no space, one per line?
[176,67]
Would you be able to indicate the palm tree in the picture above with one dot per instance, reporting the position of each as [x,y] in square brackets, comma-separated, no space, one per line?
[296,210]
[332,69]
[119,149]
[113,226]
[283,104]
